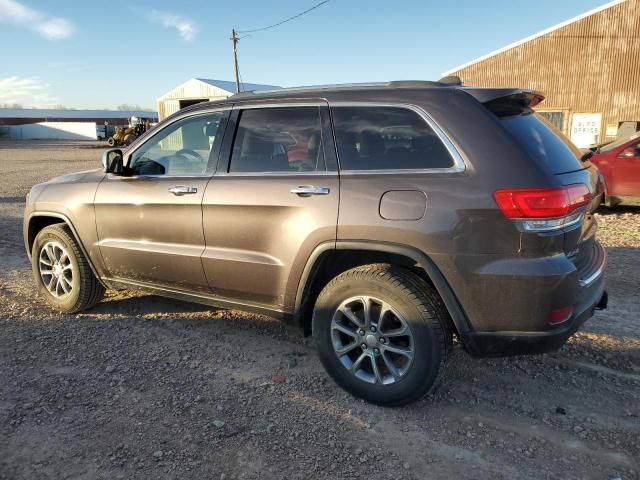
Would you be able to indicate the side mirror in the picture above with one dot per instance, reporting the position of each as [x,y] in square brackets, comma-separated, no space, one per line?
[112,161]
[586,155]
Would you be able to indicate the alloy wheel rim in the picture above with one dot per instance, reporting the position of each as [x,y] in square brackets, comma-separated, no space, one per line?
[372,340]
[56,269]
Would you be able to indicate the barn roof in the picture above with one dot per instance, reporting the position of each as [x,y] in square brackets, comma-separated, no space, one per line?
[231,86]
[211,88]
[535,35]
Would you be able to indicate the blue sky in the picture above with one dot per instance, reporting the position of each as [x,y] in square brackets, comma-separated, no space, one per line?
[101,54]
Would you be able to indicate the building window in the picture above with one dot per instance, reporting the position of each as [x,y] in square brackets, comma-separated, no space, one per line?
[555,118]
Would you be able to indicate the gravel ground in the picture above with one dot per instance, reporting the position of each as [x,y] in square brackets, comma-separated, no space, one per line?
[144,387]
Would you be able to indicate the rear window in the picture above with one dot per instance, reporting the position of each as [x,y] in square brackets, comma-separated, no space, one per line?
[386,138]
[543,142]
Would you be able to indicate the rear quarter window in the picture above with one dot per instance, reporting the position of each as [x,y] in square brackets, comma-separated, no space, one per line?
[386,138]
[541,140]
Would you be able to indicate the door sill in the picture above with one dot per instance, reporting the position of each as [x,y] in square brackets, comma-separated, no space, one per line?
[201,298]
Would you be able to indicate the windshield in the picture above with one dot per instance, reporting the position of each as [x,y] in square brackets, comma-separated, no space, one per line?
[619,142]
[543,142]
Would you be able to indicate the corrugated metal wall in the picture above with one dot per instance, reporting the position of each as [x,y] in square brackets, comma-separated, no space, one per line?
[589,66]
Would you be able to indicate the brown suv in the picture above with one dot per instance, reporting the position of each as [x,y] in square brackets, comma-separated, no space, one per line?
[381,218]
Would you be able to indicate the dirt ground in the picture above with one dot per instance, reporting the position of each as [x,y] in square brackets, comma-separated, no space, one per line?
[144,387]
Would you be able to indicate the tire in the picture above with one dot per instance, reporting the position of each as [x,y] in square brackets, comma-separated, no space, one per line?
[111,141]
[411,305]
[72,285]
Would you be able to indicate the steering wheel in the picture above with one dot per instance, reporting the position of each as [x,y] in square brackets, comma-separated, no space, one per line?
[190,155]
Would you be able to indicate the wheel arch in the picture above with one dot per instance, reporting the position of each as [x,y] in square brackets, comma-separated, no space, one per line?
[409,256]
[40,220]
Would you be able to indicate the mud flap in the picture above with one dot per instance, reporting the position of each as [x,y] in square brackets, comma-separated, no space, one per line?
[604,301]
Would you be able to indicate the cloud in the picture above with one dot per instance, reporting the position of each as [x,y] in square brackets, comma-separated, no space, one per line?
[27,91]
[185,26]
[52,28]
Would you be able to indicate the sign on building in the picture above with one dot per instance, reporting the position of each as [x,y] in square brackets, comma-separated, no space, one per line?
[585,129]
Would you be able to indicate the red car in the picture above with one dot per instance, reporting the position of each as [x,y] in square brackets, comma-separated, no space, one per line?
[619,163]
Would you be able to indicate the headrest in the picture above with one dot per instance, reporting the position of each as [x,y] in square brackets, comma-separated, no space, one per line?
[425,142]
[254,143]
[371,143]
[211,129]
[314,142]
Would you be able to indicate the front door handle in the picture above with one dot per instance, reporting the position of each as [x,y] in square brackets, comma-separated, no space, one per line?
[307,190]
[183,190]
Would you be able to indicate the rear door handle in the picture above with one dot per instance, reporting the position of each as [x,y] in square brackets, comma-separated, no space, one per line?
[306,190]
[183,190]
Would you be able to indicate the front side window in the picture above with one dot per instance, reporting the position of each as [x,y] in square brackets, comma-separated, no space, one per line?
[182,148]
[386,138]
[278,139]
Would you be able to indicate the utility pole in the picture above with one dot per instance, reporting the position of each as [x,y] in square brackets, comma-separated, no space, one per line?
[234,40]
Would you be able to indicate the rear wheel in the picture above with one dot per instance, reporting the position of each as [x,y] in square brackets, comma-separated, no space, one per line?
[111,141]
[61,271]
[382,333]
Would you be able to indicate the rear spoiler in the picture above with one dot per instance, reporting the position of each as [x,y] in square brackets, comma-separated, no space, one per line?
[505,102]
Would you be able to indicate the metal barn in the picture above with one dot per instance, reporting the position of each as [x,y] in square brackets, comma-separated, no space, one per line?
[199,90]
[588,68]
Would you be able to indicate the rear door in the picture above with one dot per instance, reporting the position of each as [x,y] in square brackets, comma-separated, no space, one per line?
[273,199]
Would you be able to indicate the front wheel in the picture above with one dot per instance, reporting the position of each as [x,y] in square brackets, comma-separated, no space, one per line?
[61,271]
[382,333]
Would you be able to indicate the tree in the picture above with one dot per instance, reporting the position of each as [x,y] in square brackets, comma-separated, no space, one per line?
[125,107]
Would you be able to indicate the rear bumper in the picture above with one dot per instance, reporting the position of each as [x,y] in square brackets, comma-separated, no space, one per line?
[494,344]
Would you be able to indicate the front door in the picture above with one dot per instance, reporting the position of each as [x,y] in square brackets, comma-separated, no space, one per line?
[149,222]
[271,203]
[626,171]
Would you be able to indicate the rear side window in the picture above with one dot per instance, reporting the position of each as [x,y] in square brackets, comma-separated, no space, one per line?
[286,139]
[542,141]
[386,138]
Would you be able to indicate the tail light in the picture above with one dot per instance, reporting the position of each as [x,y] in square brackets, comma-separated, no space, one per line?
[543,209]
[559,315]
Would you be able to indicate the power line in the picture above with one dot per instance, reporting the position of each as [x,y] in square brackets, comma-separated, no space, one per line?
[234,38]
[285,20]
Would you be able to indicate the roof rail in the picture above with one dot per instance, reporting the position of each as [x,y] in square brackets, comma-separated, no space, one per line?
[450,81]
[248,93]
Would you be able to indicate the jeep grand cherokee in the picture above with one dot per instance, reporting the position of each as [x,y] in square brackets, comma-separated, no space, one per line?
[382,218]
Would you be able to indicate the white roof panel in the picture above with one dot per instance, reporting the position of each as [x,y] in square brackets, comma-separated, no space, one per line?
[231,86]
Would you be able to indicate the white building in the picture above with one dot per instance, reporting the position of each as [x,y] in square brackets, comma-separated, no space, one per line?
[36,123]
[199,90]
